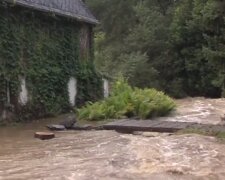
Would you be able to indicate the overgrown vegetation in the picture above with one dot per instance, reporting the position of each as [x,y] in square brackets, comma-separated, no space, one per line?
[174,46]
[44,49]
[126,101]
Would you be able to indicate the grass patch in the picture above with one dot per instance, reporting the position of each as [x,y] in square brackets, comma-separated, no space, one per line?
[127,102]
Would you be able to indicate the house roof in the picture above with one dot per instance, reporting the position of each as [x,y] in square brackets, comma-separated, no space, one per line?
[70,8]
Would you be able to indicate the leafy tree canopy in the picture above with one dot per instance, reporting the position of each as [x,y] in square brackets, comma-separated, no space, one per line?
[174,46]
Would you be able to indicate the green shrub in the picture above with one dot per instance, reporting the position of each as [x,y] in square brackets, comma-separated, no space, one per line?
[128,102]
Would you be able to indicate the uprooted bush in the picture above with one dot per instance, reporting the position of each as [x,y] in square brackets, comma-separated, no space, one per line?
[127,102]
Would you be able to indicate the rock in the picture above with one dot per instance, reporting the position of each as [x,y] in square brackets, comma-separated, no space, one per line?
[155,134]
[151,134]
[44,135]
[84,127]
[137,133]
[69,121]
[55,127]
[98,128]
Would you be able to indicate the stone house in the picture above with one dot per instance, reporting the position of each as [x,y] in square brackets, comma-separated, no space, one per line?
[46,57]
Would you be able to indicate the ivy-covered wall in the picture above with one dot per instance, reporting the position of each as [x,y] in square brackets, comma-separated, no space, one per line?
[45,50]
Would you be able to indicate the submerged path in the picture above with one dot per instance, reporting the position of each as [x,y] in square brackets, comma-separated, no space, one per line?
[147,125]
[129,126]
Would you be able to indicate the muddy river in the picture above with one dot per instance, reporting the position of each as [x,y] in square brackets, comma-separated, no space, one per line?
[107,155]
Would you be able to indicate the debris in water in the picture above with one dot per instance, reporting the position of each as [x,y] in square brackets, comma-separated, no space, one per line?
[56,127]
[44,135]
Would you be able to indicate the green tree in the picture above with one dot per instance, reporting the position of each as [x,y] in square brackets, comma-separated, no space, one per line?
[193,24]
[174,46]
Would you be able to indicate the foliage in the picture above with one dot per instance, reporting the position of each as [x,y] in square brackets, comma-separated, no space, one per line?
[128,102]
[174,46]
[195,24]
[45,50]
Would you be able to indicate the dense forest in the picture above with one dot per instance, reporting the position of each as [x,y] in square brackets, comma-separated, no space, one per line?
[177,46]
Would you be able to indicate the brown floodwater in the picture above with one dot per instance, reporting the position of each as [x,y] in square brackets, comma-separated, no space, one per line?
[199,110]
[108,155]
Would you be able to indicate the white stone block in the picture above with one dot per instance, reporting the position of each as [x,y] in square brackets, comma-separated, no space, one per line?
[23,95]
[72,90]
[106,88]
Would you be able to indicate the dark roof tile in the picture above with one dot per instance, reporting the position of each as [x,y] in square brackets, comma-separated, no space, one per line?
[70,8]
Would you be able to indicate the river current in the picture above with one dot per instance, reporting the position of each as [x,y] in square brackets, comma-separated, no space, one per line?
[108,155]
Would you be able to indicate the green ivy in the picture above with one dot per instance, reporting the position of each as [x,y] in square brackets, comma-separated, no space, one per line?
[45,50]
